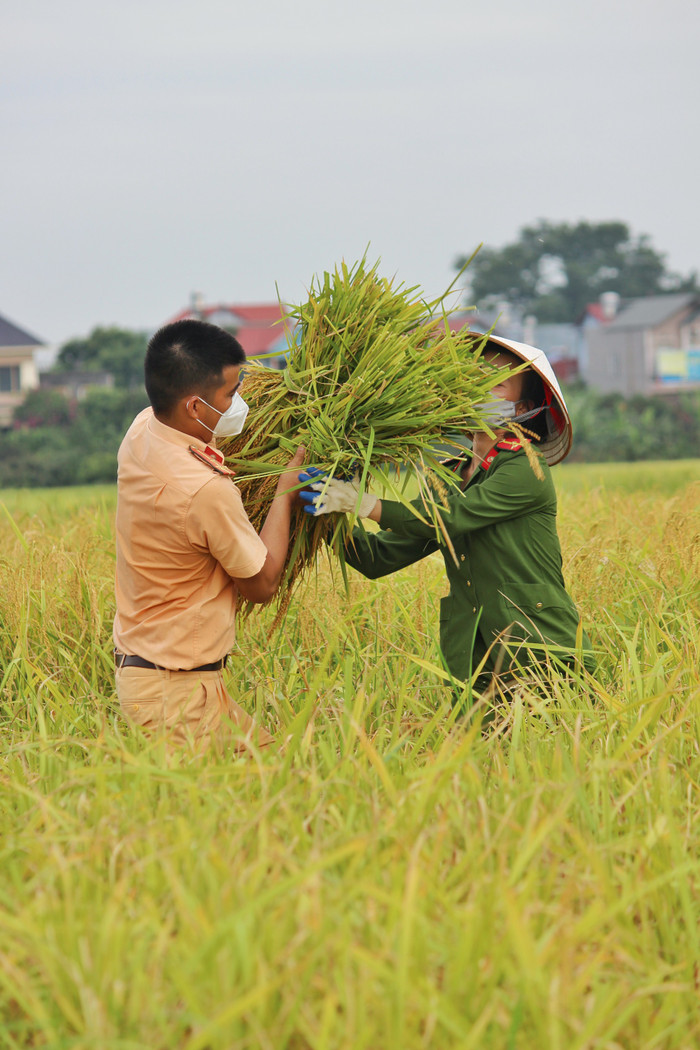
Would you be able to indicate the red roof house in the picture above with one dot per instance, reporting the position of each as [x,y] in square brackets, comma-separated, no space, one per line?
[259,327]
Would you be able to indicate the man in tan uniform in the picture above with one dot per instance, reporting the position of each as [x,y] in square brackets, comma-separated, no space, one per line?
[185,546]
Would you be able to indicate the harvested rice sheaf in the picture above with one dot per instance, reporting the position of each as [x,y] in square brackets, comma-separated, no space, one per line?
[376,382]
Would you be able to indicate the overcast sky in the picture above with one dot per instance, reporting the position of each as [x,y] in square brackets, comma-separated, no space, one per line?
[152,148]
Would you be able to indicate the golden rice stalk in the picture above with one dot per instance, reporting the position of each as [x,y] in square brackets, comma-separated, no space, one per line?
[375,384]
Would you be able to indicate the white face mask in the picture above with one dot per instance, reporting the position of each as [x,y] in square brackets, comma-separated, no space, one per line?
[231,421]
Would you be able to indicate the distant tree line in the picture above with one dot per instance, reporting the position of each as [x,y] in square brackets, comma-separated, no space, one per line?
[115,350]
[610,428]
[56,441]
[554,270]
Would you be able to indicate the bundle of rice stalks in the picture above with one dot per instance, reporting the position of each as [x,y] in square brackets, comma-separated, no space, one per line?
[375,384]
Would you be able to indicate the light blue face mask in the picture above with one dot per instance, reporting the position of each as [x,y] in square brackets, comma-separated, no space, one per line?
[498,412]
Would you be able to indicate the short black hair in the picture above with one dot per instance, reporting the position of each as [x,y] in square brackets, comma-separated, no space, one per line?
[187,357]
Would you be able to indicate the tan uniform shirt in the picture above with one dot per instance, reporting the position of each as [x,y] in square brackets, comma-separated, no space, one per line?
[182,534]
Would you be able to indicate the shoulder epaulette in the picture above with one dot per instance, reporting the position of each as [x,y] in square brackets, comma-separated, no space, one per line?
[213,464]
[507,445]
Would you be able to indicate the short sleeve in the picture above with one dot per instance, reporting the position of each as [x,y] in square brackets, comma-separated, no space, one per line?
[217,522]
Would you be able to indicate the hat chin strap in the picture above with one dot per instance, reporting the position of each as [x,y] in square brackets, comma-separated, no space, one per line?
[522,417]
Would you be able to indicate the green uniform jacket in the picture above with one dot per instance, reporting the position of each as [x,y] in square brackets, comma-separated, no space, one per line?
[506,586]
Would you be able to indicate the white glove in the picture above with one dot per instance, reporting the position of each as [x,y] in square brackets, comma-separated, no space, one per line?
[329,495]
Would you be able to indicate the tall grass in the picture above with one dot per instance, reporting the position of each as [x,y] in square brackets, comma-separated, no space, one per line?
[386,877]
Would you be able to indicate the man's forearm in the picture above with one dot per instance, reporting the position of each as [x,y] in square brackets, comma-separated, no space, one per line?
[275,535]
[275,532]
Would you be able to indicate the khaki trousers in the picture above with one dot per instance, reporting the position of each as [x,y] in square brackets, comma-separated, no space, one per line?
[189,705]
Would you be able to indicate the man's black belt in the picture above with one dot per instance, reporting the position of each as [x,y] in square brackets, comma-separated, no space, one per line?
[124,660]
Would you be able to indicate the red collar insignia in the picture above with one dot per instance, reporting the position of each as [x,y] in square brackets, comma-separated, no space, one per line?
[212,459]
[215,453]
[507,445]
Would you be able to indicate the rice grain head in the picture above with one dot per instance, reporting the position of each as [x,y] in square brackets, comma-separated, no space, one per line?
[377,387]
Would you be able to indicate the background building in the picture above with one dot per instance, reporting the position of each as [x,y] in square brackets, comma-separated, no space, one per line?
[262,329]
[651,346]
[18,370]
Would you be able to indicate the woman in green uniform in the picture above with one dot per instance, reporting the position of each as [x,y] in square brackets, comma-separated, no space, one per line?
[508,607]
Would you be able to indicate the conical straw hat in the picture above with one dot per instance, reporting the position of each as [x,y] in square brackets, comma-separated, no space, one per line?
[558,442]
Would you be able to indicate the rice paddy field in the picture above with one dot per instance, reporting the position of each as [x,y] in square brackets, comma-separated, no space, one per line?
[386,877]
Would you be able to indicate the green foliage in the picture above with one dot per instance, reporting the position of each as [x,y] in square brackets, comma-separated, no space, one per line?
[40,457]
[104,416]
[80,452]
[554,269]
[609,428]
[385,877]
[62,443]
[116,350]
[43,408]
